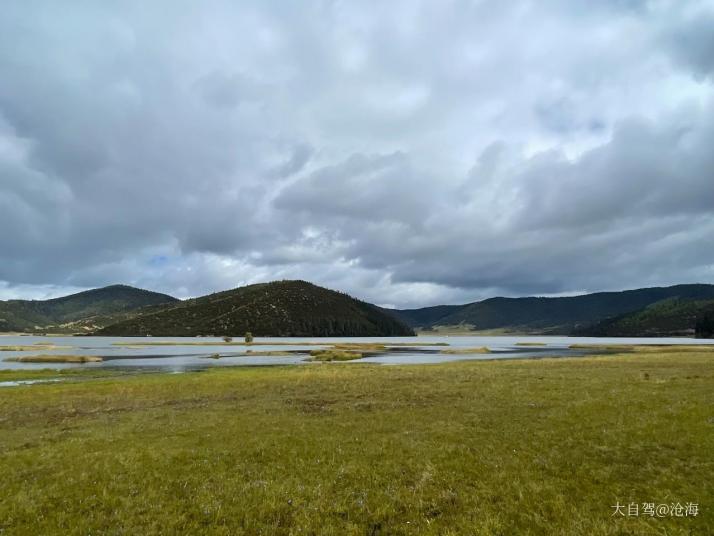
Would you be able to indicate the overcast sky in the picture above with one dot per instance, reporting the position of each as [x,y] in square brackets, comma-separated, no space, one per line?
[407,152]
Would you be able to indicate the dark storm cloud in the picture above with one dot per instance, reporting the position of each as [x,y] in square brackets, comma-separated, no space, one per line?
[406,152]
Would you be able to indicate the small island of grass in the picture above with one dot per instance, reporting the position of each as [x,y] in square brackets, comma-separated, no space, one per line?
[254,353]
[29,348]
[466,351]
[334,355]
[55,359]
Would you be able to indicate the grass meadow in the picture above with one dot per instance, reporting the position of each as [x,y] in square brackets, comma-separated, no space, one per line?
[505,447]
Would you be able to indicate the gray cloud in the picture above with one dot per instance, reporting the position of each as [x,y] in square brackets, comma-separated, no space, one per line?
[407,152]
[691,40]
[385,187]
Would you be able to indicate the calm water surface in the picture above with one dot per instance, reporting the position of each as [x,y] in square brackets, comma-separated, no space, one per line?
[121,351]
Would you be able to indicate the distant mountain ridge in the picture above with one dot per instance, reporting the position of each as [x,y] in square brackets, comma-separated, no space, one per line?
[299,308]
[557,316]
[279,309]
[83,307]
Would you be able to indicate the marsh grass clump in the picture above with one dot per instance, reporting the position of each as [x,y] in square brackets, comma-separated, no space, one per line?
[55,359]
[466,351]
[531,344]
[334,355]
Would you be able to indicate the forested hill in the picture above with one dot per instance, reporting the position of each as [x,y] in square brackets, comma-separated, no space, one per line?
[563,315]
[58,313]
[280,309]
[668,318]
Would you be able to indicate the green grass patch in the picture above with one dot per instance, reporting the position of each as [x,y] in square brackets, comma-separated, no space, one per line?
[533,447]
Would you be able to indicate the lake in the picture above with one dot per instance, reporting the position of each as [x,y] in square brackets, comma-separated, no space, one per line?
[195,353]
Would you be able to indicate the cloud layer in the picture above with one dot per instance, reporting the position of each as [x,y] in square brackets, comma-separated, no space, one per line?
[410,153]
